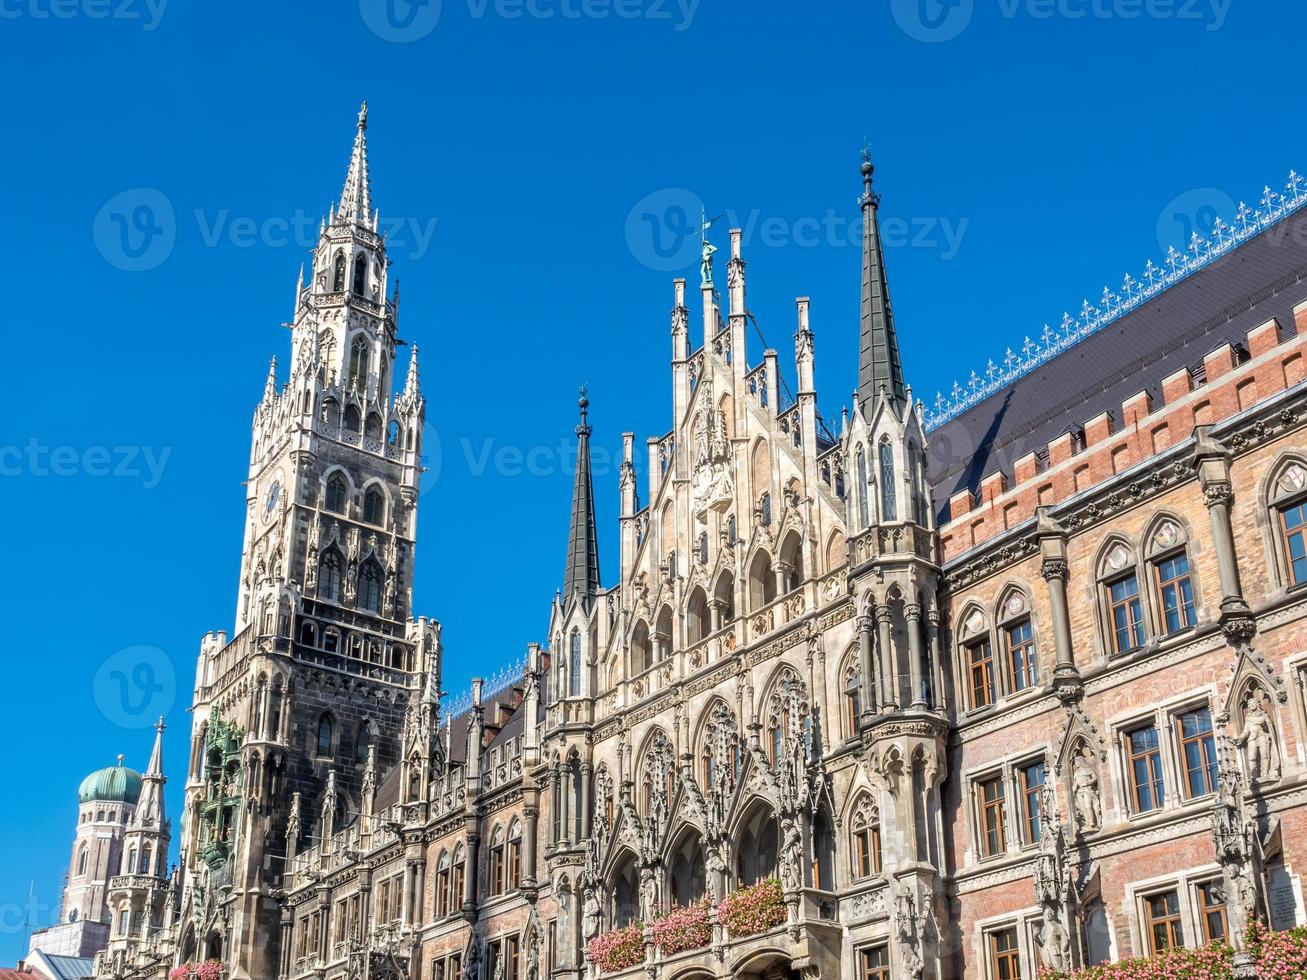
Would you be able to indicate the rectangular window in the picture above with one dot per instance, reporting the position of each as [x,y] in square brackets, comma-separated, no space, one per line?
[514,862]
[980,660]
[497,869]
[866,852]
[1147,786]
[1004,956]
[1198,749]
[1162,915]
[989,799]
[1211,913]
[1032,784]
[1127,614]
[1021,656]
[1295,541]
[873,963]
[1177,591]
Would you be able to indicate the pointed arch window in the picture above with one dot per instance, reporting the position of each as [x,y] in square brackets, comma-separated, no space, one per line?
[888,500]
[370,578]
[1124,605]
[374,506]
[864,850]
[329,579]
[360,275]
[514,869]
[1169,559]
[338,274]
[1019,636]
[574,666]
[326,730]
[358,363]
[864,513]
[337,497]
[1289,512]
[456,878]
[915,494]
[852,698]
[498,857]
[443,868]
[764,508]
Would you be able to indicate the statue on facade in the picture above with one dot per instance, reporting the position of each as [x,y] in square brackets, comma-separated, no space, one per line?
[1257,739]
[791,855]
[1084,781]
[648,894]
[592,916]
[708,250]
[908,925]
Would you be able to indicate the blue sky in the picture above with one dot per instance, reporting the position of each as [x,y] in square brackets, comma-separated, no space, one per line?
[538,161]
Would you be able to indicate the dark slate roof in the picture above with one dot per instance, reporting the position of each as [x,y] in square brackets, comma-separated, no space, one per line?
[582,572]
[1264,278]
[878,345]
[458,734]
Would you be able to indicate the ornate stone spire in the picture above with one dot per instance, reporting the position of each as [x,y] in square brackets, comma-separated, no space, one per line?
[412,387]
[270,384]
[878,356]
[582,573]
[356,198]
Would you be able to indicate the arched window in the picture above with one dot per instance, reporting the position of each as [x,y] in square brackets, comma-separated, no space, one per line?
[337,494]
[360,275]
[353,420]
[146,864]
[498,862]
[864,512]
[325,732]
[372,427]
[888,502]
[374,506]
[864,843]
[370,578]
[456,878]
[1018,635]
[514,870]
[916,495]
[443,869]
[1288,500]
[358,363]
[338,274]
[574,666]
[852,698]
[131,860]
[764,509]
[1119,581]
[365,739]
[329,581]
[1169,559]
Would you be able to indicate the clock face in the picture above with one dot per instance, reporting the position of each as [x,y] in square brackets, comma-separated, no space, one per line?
[271,500]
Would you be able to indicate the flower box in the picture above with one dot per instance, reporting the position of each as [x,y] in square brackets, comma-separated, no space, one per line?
[620,949]
[1277,954]
[683,929]
[755,909]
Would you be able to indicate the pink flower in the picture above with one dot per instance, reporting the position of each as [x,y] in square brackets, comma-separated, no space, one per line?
[683,929]
[755,909]
[620,949]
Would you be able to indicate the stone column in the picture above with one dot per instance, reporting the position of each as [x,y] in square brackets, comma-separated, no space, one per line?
[866,665]
[915,654]
[1212,461]
[662,645]
[938,689]
[783,571]
[472,870]
[715,613]
[531,812]
[555,802]
[889,668]
[586,771]
[1055,569]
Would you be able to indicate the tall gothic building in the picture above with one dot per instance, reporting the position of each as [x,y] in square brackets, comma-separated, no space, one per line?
[1014,683]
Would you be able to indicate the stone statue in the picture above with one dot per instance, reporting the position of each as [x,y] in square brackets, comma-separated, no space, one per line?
[1084,781]
[1055,945]
[1258,741]
[709,249]
[648,894]
[791,855]
[592,920]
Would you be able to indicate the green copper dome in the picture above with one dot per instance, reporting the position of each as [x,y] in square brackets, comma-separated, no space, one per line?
[114,784]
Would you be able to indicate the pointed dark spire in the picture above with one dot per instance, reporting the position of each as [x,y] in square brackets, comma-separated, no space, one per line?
[582,574]
[878,357]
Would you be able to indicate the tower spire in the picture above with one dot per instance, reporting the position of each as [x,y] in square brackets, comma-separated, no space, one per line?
[411,382]
[879,366]
[356,198]
[582,574]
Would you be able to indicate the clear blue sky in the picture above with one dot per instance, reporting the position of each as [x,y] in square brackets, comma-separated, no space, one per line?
[1028,154]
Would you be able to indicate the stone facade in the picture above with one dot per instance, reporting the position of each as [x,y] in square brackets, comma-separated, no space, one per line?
[1032,731]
